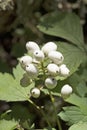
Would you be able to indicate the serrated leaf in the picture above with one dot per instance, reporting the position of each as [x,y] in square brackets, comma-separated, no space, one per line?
[73,56]
[8,124]
[18,72]
[64,25]
[72,114]
[79,126]
[10,88]
[78,101]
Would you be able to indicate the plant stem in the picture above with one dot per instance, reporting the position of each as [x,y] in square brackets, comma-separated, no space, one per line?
[41,110]
[43,69]
[52,100]
[57,119]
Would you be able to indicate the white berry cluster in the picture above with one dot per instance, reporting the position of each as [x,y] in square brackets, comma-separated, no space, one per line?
[34,62]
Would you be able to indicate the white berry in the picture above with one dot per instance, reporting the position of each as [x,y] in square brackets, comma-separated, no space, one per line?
[56,57]
[32,71]
[66,91]
[24,61]
[49,46]
[51,82]
[53,69]
[32,46]
[64,71]
[39,55]
[35,92]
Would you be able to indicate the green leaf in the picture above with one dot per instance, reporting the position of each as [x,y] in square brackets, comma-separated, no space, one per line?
[72,114]
[82,89]
[84,74]
[73,56]
[10,88]
[79,126]
[8,125]
[78,101]
[64,25]
[21,113]
[18,73]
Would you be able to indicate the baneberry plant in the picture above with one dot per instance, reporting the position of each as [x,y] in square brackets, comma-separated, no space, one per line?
[49,70]
[44,65]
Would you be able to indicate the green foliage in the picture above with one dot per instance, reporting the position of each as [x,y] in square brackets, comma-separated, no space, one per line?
[72,115]
[82,89]
[67,26]
[78,101]
[79,126]
[22,115]
[73,56]
[8,125]
[10,88]
[64,25]
[78,112]
[20,112]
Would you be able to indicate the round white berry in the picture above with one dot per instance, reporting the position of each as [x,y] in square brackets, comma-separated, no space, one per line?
[39,55]
[35,92]
[32,71]
[64,71]
[56,57]
[53,69]
[66,91]
[49,46]
[51,82]
[24,61]
[32,46]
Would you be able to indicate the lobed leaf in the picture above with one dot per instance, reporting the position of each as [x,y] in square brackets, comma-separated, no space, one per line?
[10,88]
[64,25]
[72,115]
[8,124]
[78,101]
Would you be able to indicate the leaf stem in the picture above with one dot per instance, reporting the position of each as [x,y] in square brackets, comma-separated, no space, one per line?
[57,119]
